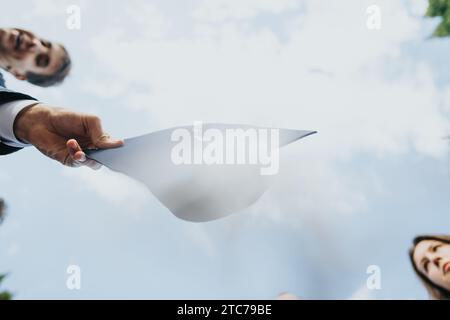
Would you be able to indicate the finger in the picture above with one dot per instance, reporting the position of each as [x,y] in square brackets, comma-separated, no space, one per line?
[76,156]
[106,142]
[59,149]
[75,150]
[99,138]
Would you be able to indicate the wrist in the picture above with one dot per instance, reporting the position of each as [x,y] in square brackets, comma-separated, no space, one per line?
[28,119]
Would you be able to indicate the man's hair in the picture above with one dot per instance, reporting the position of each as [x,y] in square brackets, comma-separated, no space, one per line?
[53,79]
[435,291]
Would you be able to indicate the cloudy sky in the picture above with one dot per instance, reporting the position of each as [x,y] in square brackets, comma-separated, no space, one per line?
[353,196]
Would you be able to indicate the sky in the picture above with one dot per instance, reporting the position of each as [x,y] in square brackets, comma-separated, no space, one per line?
[352,196]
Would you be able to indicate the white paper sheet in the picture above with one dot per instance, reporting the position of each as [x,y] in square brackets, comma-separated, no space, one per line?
[198,191]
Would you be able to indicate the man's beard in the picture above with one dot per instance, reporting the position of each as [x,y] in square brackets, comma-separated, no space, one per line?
[2,47]
[3,50]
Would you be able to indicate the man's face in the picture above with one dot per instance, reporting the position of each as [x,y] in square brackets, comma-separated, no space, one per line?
[22,52]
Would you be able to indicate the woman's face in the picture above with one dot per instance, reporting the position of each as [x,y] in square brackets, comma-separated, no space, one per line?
[432,259]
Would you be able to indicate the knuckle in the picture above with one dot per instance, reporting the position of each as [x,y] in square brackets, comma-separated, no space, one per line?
[95,119]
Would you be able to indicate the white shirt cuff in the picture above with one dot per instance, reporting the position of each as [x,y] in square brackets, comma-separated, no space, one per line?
[8,113]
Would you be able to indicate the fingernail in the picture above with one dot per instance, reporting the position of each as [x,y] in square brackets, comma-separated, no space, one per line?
[82,158]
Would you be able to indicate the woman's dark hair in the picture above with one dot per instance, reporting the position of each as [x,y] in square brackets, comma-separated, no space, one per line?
[435,291]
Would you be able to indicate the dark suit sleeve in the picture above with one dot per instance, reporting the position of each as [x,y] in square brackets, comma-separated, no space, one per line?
[5,149]
[5,97]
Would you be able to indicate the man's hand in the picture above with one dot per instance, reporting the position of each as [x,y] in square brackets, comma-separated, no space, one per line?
[62,134]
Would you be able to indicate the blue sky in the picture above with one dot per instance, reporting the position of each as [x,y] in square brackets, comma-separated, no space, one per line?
[352,196]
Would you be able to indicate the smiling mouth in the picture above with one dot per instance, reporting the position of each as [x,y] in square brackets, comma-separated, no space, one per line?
[18,41]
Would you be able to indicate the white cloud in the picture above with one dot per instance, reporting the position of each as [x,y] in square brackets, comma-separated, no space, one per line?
[114,187]
[52,8]
[220,10]
[46,8]
[199,237]
[151,22]
[417,7]
[369,99]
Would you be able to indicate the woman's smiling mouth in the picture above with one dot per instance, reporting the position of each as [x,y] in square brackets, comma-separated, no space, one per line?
[446,267]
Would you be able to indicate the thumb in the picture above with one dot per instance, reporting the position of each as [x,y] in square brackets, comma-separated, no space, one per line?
[99,138]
